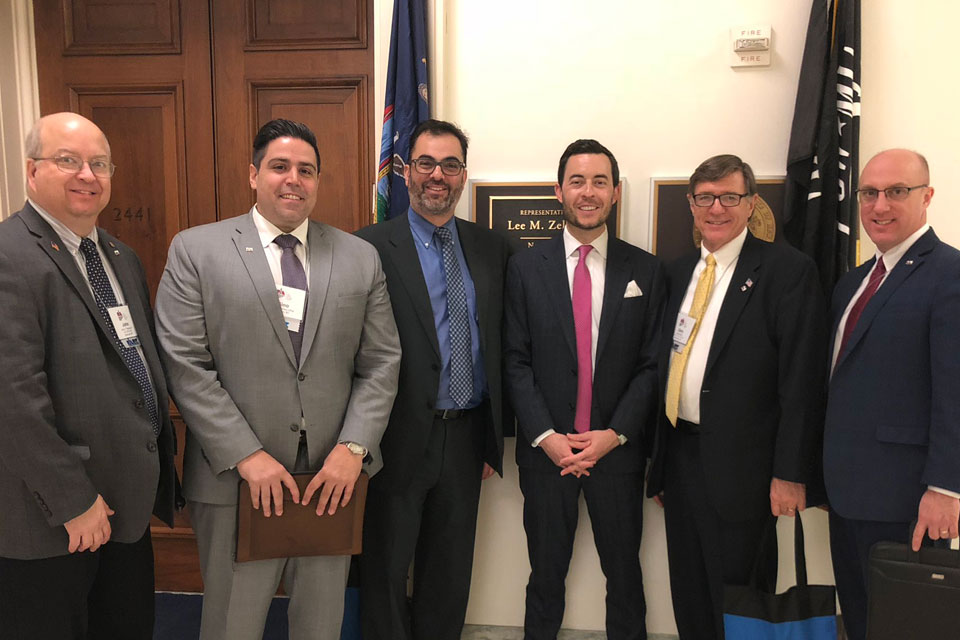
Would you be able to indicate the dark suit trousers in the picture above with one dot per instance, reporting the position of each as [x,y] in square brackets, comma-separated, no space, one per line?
[704,550]
[850,542]
[433,522]
[103,595]
[550,513]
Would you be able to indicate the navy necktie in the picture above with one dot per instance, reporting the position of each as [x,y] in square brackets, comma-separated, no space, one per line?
[106,299]
[461,355]
[294,276]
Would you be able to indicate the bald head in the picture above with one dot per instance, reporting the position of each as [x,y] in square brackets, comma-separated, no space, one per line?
[74,197]
[891,220]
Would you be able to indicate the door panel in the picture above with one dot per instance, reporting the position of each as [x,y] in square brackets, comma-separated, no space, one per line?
[180,88]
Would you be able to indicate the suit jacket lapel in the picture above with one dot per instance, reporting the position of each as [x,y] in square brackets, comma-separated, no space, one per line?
[614,287]
[915,256]
[52,245]
[738,293]
[406,260]
[123,264]
[320,249]
[258,270]
[845,290]
[553,275]
[479,273]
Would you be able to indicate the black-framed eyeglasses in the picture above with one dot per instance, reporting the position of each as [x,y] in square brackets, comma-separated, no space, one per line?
[897,194]
[100,167]
[449,166]
[726,199]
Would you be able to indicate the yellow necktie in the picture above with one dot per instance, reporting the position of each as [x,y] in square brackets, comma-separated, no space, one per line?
[679,364]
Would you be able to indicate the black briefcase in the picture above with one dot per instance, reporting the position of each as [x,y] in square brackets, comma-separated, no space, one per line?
[913,594]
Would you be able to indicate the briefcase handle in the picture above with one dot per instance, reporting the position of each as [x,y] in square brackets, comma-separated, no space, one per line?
[914,556]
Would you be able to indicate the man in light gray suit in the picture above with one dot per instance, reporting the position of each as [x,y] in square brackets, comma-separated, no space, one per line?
[281,349]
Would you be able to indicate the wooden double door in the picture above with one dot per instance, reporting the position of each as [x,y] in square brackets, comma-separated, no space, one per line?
[180,88]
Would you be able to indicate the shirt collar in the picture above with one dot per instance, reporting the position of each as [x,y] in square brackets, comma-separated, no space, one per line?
[729,252]
[423,229]
[268,231]
[571,245]
[892,255]
[70,239]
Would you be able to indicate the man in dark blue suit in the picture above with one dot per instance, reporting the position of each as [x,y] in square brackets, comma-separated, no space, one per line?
[583,312]
[892,435]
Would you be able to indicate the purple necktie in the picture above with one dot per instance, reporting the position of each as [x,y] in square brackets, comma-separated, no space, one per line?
[876,277]
[291,270]
[583,321]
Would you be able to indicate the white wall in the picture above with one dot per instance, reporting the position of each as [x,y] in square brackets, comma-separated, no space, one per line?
[651,80]
[18,99]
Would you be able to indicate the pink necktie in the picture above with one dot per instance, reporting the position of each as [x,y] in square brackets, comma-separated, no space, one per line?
[583,321]
[876,276]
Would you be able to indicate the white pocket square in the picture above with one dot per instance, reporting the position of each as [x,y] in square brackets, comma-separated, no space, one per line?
[633,291]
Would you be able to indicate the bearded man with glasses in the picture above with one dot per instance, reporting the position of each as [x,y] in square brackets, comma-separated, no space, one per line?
[743,368]
[892,437]
[445,276]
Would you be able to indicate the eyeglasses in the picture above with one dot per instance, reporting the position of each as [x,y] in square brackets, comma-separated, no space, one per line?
[449,166]
[726,199]
[869,196]
[100,167]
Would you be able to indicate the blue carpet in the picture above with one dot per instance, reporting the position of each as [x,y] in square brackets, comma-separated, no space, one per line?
[178,617]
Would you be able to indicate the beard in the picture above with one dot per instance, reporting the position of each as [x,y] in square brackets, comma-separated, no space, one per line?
[424,204]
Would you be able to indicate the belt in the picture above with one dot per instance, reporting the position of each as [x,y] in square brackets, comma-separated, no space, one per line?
[450,414]
[691,428]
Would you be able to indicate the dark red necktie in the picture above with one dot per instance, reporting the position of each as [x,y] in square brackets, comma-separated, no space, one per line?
[876,277]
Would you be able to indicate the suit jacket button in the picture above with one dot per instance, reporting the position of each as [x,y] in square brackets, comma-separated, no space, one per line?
[294,427]
[151,446]
[302,377]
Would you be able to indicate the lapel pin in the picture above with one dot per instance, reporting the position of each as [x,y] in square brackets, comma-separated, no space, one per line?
[909,262]
[55,246]
[116,252]
[747,285]
[248,249]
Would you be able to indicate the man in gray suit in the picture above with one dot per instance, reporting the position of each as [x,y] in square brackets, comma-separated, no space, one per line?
[86,444]
[282,351]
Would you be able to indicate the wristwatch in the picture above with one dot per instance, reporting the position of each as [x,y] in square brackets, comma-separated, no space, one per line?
[622,438]
[355,449]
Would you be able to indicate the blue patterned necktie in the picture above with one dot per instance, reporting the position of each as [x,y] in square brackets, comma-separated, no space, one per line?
[461,356]
[293,275]
[103,293]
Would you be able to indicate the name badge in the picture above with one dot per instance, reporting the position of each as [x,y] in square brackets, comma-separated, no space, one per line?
[292,302]
[681,333]
[123,325]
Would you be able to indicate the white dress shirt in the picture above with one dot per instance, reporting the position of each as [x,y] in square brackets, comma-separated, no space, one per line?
[597,266]
[890,259]
[268,231]
[726,257]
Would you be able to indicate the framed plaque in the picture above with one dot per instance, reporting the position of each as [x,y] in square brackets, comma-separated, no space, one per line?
[672,233]
[524,213]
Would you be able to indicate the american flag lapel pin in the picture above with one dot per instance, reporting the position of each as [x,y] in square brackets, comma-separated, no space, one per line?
[55,246]
[248,249]
[909,262]
[747,284]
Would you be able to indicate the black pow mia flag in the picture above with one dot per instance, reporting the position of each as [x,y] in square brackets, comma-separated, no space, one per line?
[820,204]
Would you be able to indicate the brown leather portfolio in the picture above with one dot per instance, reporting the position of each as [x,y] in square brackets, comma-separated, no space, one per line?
[300,531]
